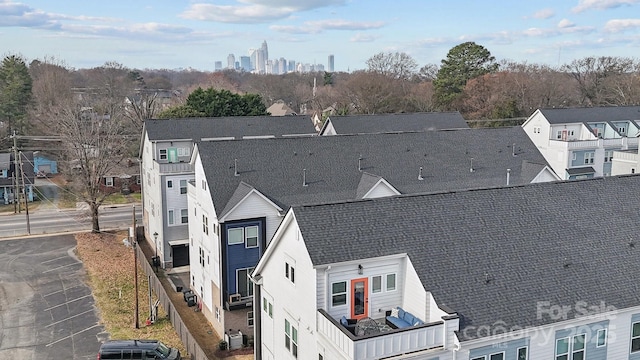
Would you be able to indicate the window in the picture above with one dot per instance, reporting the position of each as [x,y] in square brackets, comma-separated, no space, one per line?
[588,157]
[244,286]
[264,304]
[204,185]
[217,313]
[571,348]
[339,293]
[163,154]
[376,284]
[235,236]
[243,235]
[289,272]
[271,310]
[183,151]
[635,337]
[108,181]
[201,254]
[601,338]
[536,130]
[291,338]
[170,217]
[522,353]
[391,282]
[480,358]
[250,319]
[559,134]
[608,155]
[183,186]
[251,233]
[170,184]
[497,356]
[633,171]
[184,216]
[205,224]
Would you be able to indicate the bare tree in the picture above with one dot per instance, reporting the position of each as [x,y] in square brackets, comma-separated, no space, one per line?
[396,65]
[591,73]
[92,128]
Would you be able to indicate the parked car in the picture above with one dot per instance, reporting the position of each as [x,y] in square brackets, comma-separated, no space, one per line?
[137,349]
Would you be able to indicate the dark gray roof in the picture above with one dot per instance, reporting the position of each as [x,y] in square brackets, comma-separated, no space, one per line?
[236,126]
[490,255]
[594,114]
[364,124]
[581,170]
[26,158]
[275,166]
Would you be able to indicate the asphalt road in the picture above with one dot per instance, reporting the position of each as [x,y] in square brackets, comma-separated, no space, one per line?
[46,309]
[53,221]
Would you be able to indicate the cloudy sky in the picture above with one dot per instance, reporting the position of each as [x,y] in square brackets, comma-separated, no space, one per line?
[181,34]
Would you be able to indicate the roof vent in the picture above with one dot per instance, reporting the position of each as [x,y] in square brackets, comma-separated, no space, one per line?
[235,168]
[304,177]
[566,263]
[360,163]
[513,150]
[487,278]
[420,174]
[508,173]
[471,166]
[631,244]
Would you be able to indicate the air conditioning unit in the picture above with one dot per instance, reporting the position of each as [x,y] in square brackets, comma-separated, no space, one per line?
[234,298]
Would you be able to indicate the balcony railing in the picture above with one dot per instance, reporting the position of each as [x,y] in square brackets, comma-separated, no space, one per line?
[175,168]
[621,143]
[384,344]
[628,156]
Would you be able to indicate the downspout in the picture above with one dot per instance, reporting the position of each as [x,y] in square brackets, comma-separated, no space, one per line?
[257,317]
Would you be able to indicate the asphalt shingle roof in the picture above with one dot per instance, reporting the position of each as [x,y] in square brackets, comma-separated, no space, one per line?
[237,126]
[362,124]
[330,163]
[593,114]
[491,255]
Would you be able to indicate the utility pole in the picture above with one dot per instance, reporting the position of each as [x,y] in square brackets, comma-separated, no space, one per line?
[26,198]
[16,178]
[134,241]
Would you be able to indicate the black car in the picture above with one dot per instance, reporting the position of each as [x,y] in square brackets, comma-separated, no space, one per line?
[137,349]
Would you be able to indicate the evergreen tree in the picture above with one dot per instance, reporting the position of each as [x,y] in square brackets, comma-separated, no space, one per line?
[15,93]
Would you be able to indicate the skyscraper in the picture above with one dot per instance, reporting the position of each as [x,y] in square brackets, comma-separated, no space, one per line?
[231,61]
[265,50]
[218,66]
[330,65]
[245,63]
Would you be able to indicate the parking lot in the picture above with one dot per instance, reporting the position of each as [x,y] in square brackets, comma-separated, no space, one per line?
[46,309]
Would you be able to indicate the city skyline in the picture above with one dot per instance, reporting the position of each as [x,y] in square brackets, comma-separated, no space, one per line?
[147,34]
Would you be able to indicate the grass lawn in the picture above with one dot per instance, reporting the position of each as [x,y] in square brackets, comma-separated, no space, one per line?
[109,266]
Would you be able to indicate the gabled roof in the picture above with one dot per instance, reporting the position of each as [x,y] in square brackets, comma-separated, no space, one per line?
[196,129]
[367,181]
[366,124]
[593,114]
[7,162]
[491,255]
[581,170]
[329,164]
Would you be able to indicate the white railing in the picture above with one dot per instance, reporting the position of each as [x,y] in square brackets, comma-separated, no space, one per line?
[628,156]
[385,344]
[622,143]
[175,168]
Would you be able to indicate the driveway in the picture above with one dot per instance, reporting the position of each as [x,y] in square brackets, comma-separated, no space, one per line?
[48,192]
[46,309]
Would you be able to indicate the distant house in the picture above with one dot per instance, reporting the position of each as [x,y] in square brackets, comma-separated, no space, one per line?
[279,108]
[242,189]
[8,176]
[123,178]
[580,143]
[44,165]
[367,124]
[493,274]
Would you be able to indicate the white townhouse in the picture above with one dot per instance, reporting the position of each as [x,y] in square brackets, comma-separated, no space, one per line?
[486,274]
[165,153]
[367,124]
[580,143]
[243,188]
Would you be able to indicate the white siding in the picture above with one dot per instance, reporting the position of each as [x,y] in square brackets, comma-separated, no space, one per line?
[291,301]
[199,204]
[381,189]
[414,294]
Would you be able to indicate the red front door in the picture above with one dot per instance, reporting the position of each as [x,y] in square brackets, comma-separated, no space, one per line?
[359,298]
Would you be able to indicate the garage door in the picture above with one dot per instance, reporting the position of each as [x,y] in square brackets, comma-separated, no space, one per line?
[45,169]
[180,255]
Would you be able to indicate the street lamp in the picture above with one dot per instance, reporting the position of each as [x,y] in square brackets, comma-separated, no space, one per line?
[156,260]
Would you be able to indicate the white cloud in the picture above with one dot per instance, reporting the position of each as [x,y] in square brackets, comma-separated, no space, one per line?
[585,5]
[543,14]
[618,25]
[565,23]
[315,27]
[253,11]
[360,37]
